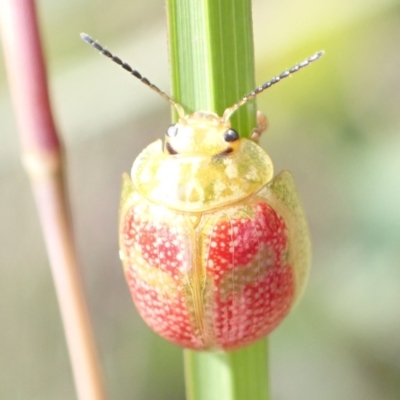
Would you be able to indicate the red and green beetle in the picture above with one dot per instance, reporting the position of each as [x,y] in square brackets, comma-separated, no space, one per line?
[215,250]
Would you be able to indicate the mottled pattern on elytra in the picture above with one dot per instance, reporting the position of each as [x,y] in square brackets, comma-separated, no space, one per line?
[281,194]
[223,284]
[157,261]
[245,250]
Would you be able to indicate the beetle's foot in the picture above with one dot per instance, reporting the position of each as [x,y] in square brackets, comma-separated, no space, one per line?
[262,125]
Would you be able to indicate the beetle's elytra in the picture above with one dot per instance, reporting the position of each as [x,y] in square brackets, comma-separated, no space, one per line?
[215,250]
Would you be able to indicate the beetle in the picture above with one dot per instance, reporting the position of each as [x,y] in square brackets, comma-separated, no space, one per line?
[215,249]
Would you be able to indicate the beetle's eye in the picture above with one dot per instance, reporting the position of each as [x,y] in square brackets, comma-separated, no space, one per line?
[231,135]
[172,131]
[170,149]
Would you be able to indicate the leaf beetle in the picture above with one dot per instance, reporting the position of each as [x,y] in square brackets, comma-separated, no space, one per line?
[215,249]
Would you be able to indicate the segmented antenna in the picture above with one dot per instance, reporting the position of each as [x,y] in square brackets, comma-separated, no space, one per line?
[135,73]
[229,111]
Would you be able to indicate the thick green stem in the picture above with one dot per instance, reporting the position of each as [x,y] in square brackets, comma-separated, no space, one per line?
[233,375]
[212,64]
[212,61]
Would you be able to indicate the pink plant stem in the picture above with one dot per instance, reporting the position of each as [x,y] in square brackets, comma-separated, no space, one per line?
[42,158]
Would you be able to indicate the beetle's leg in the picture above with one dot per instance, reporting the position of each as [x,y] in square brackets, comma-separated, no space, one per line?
[262,125]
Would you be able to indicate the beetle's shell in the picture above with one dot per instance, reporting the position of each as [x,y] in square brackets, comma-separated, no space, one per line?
[218,276]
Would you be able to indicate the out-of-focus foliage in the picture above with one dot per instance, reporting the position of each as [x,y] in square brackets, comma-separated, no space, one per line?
[335,125]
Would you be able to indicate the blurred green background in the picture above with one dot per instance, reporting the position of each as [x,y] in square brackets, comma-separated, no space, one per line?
[335,125]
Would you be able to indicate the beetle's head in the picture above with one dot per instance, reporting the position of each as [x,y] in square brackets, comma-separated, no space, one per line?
[201,134]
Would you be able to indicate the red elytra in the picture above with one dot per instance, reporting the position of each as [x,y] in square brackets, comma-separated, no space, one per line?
[221,281]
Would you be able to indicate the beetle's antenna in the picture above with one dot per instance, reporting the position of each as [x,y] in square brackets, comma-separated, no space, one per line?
[135,73]
[229,111]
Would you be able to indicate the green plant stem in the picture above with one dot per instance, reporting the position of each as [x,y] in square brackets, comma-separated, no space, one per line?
[212,61]
[233,375]
[212,64]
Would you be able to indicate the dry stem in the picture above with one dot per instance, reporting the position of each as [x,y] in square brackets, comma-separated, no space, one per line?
[42,158]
